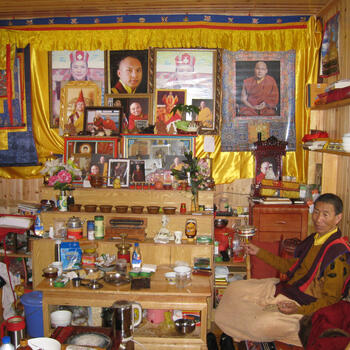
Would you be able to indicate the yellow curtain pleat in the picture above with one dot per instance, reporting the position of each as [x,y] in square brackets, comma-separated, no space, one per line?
[304,38]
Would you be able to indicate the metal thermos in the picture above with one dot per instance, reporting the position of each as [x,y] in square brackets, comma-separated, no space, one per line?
[16,329]
[123,321]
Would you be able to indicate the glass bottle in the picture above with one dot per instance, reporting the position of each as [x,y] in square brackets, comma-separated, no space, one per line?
[23,345]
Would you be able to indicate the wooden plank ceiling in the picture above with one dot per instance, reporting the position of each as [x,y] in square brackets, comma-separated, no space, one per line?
[16,9]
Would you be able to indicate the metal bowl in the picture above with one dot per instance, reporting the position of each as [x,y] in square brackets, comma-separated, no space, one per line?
[185,326]
[220,223]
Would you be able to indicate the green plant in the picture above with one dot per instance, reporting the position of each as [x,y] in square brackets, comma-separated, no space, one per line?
[184,109]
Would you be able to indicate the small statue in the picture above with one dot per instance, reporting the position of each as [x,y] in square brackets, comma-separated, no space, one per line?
[164,235]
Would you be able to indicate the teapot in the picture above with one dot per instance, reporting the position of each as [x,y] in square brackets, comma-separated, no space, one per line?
[75,228]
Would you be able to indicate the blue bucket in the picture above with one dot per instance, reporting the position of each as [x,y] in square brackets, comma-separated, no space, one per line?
[33,311]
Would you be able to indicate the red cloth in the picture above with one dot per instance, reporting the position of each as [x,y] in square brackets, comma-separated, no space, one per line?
[333,316]
[259,268]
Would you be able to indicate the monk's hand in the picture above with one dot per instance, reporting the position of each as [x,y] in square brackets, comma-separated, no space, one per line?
[287,307]
[250,248]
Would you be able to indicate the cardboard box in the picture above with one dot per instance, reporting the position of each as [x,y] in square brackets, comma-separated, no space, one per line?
[312,91]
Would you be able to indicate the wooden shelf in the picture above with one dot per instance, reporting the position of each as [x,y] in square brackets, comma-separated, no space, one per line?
[330,105]
[338,153]
[16,255]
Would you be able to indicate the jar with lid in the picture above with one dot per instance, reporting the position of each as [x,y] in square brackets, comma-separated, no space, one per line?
[90,228]
[74,228]
[99,227]
[191,229]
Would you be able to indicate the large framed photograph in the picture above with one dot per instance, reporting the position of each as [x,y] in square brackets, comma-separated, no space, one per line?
[103,121]
[85,152]
[258,97]
[196,71]
[137,110]
[127,72]
[75,97]
[77,65]
[118,171]
[160,153]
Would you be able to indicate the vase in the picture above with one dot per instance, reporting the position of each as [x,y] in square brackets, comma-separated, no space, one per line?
[62,201]
[194,202]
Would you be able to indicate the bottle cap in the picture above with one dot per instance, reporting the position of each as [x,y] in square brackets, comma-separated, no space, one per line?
[6,340]
[136,244]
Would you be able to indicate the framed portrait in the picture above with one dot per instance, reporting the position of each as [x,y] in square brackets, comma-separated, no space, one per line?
[268,159]
[75,97]
[118,170]
[86,151]
[103,120]
[196,71]
[166,100]
[157,151]
[66,66]
[137,171]
[120,66]
[258,96]
[137,110]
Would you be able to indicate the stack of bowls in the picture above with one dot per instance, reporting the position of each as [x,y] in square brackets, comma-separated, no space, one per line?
[346,142]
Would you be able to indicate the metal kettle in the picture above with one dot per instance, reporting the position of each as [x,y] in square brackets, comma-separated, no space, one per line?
[123,321]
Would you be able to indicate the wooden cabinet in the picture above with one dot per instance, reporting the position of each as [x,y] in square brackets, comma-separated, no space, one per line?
[161,295]
[279,220]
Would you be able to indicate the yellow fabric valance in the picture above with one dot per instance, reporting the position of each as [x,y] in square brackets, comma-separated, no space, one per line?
[304,38]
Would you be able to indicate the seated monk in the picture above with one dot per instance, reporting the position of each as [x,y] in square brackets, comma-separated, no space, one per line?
[265,310]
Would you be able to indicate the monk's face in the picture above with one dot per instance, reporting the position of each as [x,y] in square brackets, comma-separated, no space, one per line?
[325,218]
[130,72]
[260,70]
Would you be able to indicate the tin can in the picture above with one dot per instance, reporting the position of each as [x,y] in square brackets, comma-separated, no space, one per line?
[99,227]
[90,228]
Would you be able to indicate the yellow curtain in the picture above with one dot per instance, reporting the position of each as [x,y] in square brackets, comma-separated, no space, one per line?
[304,38]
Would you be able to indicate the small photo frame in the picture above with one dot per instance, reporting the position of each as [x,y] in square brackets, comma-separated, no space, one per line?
[120,63]
[137,171]
[166,100]
[103,120]
[118,170]
[137,110]
[102,161]
[75,97]
[269,168]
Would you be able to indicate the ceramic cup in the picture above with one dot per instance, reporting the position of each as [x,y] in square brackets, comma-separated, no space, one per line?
[178,237]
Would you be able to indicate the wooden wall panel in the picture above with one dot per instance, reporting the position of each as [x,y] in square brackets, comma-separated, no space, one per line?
[14,190]
[337,121]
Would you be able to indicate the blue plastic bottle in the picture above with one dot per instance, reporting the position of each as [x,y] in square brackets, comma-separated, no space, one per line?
[6,344]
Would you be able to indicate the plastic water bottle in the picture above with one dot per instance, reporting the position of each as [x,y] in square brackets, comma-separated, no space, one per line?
[136,259]
[38,225]
[6,344]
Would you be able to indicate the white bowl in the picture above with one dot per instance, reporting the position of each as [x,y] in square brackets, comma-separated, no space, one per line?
[183,269]
[171,277]
[61,318]
[44,344]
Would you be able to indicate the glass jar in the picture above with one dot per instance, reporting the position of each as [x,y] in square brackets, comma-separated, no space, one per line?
[191,229]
